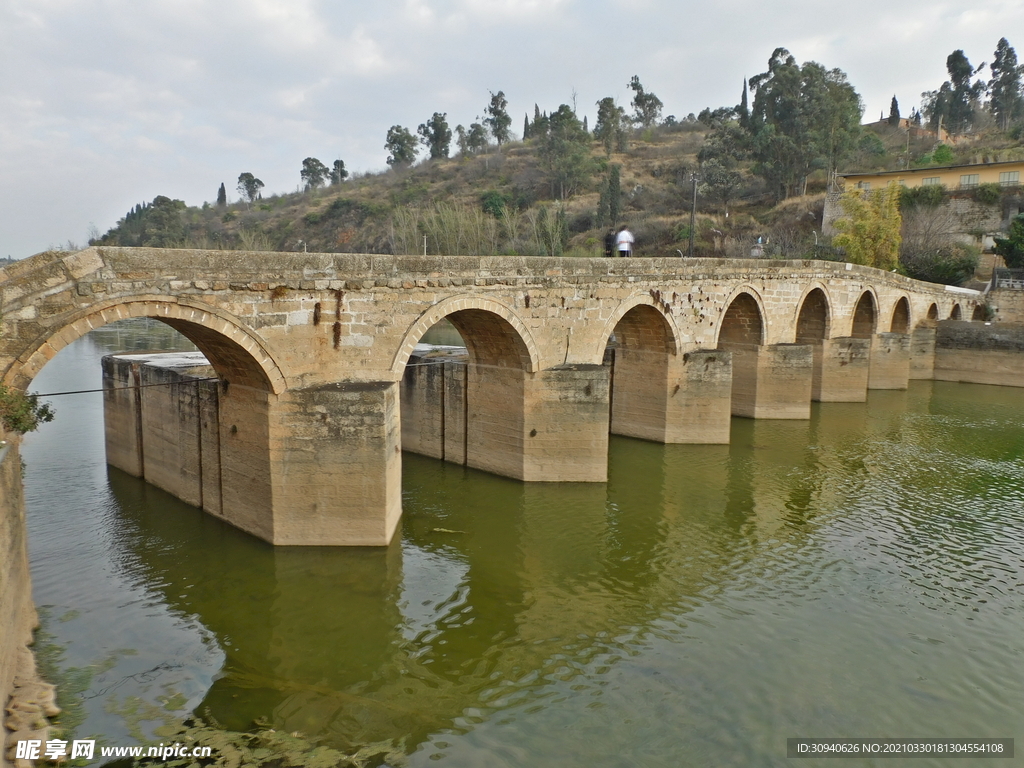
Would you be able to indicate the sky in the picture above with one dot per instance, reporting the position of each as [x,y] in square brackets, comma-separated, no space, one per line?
[109,103]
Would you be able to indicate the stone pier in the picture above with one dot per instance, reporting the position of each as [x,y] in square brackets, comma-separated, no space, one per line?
[890,361]
[772,381]
[922,353]
[841,370]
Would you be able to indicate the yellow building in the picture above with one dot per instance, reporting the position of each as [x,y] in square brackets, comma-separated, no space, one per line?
[1005,174]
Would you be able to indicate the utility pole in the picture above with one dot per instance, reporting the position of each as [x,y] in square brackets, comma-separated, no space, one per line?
[693,211]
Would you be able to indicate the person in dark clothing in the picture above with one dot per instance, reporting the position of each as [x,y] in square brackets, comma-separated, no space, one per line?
[609,243]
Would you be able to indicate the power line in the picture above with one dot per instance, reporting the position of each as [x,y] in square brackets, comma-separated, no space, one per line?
[118,389]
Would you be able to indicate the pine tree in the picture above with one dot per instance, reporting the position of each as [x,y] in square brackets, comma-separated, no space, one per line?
[222,196]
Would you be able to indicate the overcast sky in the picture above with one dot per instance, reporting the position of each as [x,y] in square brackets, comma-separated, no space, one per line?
[107,103]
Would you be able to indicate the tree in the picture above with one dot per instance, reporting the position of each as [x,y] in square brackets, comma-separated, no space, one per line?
[610,201]
[436,135]
[894,112]
[803,118]
[870,230]
[314,174]
[497,117]
[1005,98]
[929,250]
[401,147]
[526,127]
[954,103]
[249,187]
[339,173]
[1011,248]
[222,196]
[476,139]
[646,105]
[611,121]
[719,182]
[566,153]
[743,110]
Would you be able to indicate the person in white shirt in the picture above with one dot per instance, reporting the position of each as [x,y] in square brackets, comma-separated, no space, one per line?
[624,241]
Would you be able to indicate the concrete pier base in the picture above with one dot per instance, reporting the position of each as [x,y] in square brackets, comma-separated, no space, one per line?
[890,361]
[922,353]
[550,426]
[841,368]
[672,399]
[565,424]
[315,466]
[336,461]
[772,381]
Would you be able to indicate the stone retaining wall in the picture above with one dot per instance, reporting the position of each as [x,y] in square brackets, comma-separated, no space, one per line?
[980,353]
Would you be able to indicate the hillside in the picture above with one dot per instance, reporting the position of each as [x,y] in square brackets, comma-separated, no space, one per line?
[504,201]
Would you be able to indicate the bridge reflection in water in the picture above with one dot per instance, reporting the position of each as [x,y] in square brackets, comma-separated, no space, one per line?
[668,612]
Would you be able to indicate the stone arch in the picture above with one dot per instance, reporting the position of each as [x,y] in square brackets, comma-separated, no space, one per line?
[493,332]
[650,327]
[933,313]
[235,351]
[956,313]
[646,343]
[813,322]
[900,322]
[743,320]
[978,314]
[865,316]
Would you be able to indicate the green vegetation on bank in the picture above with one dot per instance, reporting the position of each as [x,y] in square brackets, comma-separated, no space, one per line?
[22,412]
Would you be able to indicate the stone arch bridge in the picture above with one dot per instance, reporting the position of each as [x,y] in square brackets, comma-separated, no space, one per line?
[311,350]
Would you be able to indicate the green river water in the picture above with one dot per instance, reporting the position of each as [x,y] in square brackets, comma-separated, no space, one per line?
[858,574]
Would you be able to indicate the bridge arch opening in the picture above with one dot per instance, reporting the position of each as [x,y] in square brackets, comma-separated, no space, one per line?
[742,322]
[933,313]
[202,435]
[864,317]
[466,407]
[978,314]
[900,322]
[956,313]
[812,324]
[639,353]
[742,334]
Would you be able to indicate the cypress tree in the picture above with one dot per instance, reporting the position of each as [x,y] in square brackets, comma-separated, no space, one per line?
[614,194]
[222,196]
[894,112]
[743,108]
[526,127]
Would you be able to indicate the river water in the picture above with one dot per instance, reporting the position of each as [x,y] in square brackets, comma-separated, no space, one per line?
[858,574]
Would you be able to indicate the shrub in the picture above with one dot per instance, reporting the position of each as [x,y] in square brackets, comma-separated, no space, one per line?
[492,201]
[950,264]
[21,412]
[989,194]
[1011,247]
[921,197]
[942,155]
